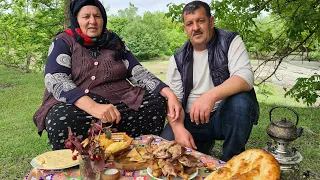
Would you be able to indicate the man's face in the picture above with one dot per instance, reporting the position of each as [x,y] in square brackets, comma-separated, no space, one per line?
[90,21]
[198,28]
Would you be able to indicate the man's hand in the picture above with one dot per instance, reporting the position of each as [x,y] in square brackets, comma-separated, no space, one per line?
[201,109]
[184,138]
[181,134]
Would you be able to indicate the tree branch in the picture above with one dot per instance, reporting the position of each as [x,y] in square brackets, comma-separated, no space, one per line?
[262,7]
[295,12]
[282,57]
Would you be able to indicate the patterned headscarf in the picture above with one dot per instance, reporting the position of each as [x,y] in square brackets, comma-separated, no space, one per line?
[107,39]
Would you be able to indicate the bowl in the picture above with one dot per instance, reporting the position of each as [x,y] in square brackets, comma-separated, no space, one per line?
[110,174]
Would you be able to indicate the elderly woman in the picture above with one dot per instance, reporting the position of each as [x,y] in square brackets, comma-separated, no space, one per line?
[90,74]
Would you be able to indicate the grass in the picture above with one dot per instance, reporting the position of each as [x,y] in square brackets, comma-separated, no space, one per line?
[21,94]
[19,139]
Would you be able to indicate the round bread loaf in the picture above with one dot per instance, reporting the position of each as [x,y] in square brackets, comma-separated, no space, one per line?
[252,164]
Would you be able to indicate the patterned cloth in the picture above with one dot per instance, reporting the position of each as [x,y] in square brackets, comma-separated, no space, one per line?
[74,173]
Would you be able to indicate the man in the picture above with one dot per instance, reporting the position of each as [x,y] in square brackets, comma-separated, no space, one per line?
[212,77]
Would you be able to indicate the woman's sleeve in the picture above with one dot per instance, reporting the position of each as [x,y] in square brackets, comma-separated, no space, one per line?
[140,76]
[58,74]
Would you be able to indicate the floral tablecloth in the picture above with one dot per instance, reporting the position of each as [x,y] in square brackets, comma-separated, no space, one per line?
[74,173]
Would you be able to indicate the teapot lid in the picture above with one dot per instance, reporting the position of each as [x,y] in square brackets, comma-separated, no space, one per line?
[283,123]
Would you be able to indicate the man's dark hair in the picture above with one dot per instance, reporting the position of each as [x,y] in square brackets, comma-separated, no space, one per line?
[193,6]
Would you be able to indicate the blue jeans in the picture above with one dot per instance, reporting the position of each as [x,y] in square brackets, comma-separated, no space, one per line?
[232,122]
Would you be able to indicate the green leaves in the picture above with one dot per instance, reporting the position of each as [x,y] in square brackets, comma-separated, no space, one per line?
[272,30]
[27,31]
[175,12]
[149,35]
[306,89]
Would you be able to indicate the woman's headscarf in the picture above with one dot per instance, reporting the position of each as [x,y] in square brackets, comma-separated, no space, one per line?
[107,39]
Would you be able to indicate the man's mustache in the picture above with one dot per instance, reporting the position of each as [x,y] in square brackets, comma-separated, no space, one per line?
[197,33]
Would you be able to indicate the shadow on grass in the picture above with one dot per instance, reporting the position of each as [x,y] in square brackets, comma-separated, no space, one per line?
[4,86]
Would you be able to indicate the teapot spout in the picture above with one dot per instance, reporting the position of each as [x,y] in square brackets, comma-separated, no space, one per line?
[299,131]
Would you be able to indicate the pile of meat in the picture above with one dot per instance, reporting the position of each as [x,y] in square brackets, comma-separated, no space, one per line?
[171,160]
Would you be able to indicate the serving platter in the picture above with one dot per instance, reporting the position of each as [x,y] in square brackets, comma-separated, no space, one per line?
[55,160]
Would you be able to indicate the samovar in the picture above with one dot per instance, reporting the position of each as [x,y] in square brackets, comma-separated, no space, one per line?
[283,132]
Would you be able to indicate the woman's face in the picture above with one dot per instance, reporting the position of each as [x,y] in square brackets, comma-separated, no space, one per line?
[90,21]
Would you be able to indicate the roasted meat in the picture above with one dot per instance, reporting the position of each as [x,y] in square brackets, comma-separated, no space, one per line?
[171,159]
[168,169]
[188,160]
[176,151]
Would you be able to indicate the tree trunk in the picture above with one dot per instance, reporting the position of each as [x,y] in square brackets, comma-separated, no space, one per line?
[27,67]
[66,23]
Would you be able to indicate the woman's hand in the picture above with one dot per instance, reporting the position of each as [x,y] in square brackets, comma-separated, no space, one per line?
[108,113]
[174,107]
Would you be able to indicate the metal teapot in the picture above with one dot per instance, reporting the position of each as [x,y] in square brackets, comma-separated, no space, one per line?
[283,130]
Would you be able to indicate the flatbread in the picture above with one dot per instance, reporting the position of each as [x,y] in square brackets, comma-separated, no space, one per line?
[56,159]
[133,153]
[135,156]
[249,165]
[142,150]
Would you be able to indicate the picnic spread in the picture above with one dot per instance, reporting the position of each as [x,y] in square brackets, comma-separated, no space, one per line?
[119,156]
[143,169]
[152,157]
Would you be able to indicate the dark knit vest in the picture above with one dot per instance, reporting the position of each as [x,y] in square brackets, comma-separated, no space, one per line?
[218,48]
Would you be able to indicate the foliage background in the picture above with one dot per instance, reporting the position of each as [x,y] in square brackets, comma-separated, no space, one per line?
[272,30]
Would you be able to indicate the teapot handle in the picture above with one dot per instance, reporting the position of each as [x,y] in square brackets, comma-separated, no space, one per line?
[285,108]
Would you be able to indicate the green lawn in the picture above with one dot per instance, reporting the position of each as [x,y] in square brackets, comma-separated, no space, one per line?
[21,95]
